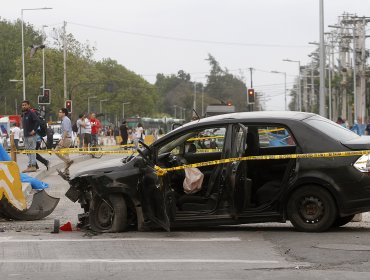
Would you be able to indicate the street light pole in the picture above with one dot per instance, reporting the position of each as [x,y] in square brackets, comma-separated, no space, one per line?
[299,82]
[322,63]
[43,56]
[100,101]
[88,103]
[284,73]
[23,62]
[123,109]
[195,97]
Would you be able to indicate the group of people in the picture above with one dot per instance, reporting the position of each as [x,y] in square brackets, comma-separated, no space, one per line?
[88,130]
[32,141]
[136,135]
[356,128]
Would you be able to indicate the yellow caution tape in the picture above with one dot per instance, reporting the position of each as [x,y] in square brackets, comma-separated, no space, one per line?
[261,131]
[162,171]
[67,151]
[205,138]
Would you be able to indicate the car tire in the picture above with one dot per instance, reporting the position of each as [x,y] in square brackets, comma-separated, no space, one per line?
[341,221]
[108,214]
[311,208]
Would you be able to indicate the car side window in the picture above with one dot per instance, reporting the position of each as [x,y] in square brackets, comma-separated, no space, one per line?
[275,136]
[208,140]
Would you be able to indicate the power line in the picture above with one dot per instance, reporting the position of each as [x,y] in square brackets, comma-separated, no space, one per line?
[189,39]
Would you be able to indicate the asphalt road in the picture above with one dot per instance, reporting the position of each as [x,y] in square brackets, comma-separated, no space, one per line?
[260,251]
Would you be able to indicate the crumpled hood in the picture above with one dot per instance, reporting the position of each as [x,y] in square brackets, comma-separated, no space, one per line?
[100,168]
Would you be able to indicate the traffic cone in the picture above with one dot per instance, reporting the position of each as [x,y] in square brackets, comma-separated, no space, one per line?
[66,227]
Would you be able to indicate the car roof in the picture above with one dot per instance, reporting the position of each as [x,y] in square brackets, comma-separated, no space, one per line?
[258,115]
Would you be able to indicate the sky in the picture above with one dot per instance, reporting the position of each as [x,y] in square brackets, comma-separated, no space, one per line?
[165,36]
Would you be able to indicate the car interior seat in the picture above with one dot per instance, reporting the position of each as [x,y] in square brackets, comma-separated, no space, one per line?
[253,149]
[190,202]
[271,189]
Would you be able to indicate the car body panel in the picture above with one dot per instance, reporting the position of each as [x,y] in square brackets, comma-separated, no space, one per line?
[233,196]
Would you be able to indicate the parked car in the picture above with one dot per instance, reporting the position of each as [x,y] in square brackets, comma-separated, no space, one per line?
[20,143]
[313,193]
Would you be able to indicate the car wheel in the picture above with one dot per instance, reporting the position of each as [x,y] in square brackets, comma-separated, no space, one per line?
[108,214]
[312,209]
[341,221]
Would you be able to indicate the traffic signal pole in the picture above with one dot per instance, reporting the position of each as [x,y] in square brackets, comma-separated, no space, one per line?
[251,106]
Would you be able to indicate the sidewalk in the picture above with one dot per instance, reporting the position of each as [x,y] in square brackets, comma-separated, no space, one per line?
[55,163]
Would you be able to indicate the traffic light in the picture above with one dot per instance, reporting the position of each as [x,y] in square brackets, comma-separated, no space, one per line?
[251,96]
[44,98]
[69,105]
[229,103]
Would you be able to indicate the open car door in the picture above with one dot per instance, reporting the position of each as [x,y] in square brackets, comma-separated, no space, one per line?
[241,186]
[158,199]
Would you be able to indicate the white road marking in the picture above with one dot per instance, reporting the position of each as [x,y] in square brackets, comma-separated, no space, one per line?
[170,239]
[228,261]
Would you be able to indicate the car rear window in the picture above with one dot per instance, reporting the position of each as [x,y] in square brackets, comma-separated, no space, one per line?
[331,129]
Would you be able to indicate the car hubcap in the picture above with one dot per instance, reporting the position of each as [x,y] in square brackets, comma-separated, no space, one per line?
[105,214]
[311,209]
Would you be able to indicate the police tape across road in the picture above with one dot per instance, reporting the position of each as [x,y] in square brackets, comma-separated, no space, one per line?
[162,171]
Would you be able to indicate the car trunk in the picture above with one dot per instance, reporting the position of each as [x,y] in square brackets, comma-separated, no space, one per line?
[360,143]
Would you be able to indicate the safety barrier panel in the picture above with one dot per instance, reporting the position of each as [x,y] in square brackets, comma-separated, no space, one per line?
[10,185]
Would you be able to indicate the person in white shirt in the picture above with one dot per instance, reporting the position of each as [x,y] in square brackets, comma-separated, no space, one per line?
[16,132]
[84,130]
[138,134]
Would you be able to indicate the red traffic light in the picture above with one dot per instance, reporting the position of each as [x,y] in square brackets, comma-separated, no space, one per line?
[69,105]
[251,96]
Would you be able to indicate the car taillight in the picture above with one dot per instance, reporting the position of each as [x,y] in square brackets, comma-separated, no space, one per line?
[363,164]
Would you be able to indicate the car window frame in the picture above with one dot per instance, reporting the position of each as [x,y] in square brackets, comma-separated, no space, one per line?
[285,126]
[160,144]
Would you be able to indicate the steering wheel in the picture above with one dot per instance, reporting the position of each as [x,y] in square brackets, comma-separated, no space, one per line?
[145,145]
[144,156]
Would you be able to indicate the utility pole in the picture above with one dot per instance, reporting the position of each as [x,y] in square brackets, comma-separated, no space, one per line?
[251,105]
[359,65]
[322,63]
[195,98]
[65,59]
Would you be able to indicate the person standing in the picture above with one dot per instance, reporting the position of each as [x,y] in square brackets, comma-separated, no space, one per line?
[16,131]
[30,123]
[66,140]
[138,134]
[123,133]
[80,124]
[84,128]
[95,127]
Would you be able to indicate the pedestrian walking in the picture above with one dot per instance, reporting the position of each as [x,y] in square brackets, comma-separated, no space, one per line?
[66,140]
[95,128]
[49,137]
[16,132]
[30,123]
[123,133]
[38,156]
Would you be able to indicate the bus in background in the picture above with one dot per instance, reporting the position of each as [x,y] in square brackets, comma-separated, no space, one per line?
[219,109]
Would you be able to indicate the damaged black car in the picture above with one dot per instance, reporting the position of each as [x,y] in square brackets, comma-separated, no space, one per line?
[314,194]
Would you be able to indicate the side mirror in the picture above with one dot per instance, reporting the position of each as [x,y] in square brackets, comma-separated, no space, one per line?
[175,125]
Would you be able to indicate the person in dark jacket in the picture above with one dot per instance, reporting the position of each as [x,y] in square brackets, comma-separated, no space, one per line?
[123,133]
[30,123]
